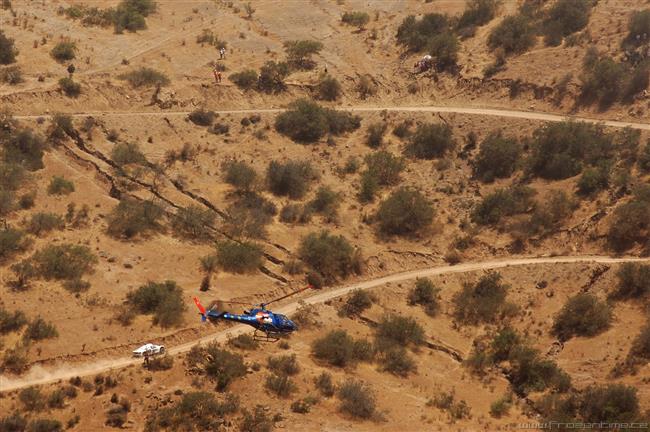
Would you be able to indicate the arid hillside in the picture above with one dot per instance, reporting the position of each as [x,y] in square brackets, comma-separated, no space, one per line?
[156,151]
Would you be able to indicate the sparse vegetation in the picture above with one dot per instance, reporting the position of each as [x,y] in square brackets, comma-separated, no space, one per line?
[41,223]
[291,178]
[329,88]
[483,301]
[375,135]
[240,175]
[164,300]
[39,329]
[515,35]
[244,341]
[193,222]
[564,18]
[502,203]
[326,202]
[272,76]
[11,321]
[280,385]
[446,401]
[218,364]
[21,149]
[299,53]
[631,221]
[208,36]
[424,293]
[357,302]
[196,410]
[11,75]
[64,51]
[405,212]
[395,330]
[145,77]
[131,218]
[60,186]
[202,117]
[256,421]
[497,158]
[430,141]
[70,87]
[478,13]
[245,80]
[248,216]
[357,399]
[63,261]
[239,257]
[357,18]
[306,122]
[8,51]
[633,281]
[12,241]
[582,315]
[324,384]
[337,348]
[330,255]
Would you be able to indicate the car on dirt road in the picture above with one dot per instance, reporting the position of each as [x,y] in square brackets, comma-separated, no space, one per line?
[149,350]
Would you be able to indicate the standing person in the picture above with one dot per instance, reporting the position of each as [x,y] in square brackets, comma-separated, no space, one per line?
[216,73]
[218,76]
[222,53]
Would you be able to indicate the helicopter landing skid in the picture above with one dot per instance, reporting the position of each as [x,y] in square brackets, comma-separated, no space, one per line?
[261,336]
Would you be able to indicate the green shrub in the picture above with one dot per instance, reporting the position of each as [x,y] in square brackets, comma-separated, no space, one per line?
[329,88]
[193,222]
[280,385]
[564,18]
[501,407]
[357,399]
[164,300]
[482,302]
[337,348]
[248,216]
[515,34]
[240,175]
[501,203]
[131,218]
[13,423]
[302,406]
[357,18]
[256,421]
[531,372]
[11,75]
[45,425]
[397,361]
[299,53]
[272,76]
[638,25]
[23,147]
[244,341]
[357,302]
[42,223]
[61,127]
[637,82]
[426,294]
[405,212]
[395,330]
[32,399]
[631,221]
[220,365]
[633,281]
[284,364]
[548,215]
[594,179]
[330,255]
[160,363]
[12,176]
[40,329]
[291,178]
[582,315]
[60,186]
[245,80]
[56,399]
[326,202]
[145,77]
[497,158]
[478,13]
[603,80]
[70,87]
[456,410]
[76,286]
[641,345]
[611,403]
[430,141]
[243,257]
[416,34]
[369,187]
[324,384]
[64,261]
[202,117]
[375,135]
[384,167]
[15,360]
[64,51]
[295,213]
[208,36]
[12,241]
[444,47]
[11,322]
[8,51]
[7,204]
[306,122]
[194,411]
[130,15]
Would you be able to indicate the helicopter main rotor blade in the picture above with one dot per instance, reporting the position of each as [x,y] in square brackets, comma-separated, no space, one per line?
[288,295]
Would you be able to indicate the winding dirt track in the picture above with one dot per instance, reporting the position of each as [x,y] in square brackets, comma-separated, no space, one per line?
[496,112]
[39,375]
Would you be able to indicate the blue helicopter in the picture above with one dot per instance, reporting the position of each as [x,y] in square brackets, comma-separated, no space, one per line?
[269,326]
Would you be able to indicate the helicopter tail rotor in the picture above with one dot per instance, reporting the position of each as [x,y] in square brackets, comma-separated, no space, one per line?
[201,309]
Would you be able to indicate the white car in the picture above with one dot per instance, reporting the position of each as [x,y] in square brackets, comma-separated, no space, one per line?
[149,350]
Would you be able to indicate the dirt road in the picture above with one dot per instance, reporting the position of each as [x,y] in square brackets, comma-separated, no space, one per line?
[39,375]
[496,112]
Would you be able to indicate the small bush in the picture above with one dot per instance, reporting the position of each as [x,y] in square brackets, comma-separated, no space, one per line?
[299,53]
[478,13]
[426,294]
[430,141]
[76,286]
[193,222]
[64,261]
[497,157]
[12,241]
[611,403]
[13,423]
[11,322]
[284,364]
[564,18]
[531,372]
[244,341]
[220,365]
[256,421]
[384,168]
[326,202]
[11,75]
[633,281]
[638,25]
[280,385]
[500,407]
[445,48]
[548,215]
[160,363]
[395,330]
[32,399]
[22,147]
[249,215]
[290,178]
[484,301]
[164,300]
[306,122]
[243,257]
[397,361]
[240,175]
[405,212]
[8,51]
[357,18]
[272,76]
[40,329]
[15,360]
[329,88]
[357,399]
[131,218]
[416,34]
[324,384]
[641,345]
[502,203]
[594,179]
[70,87]
[64,51]
[194,411]
[245,80]
[330,255]
[375,135]
[337,348]
[208,36]
[42,223]
[631,221]
[145,77]
[359,301]
[202,117]
[603,80]
[56,399]
[582,315]
[60,186]
[515,34]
